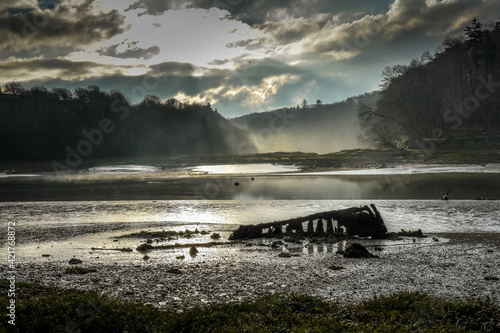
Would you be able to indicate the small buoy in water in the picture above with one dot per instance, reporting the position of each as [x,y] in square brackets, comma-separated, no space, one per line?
[252,178]
[236,183]
[445,197]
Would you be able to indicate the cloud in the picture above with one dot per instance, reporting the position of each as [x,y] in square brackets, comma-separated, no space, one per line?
[343,36]
[173,68]
[250,55]
[129,50]
[219,62]
[40,70]
[154,7]
[60,28]
[17,5]
[260,11]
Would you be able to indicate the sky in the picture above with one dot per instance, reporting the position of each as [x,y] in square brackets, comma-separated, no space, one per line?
[241,56]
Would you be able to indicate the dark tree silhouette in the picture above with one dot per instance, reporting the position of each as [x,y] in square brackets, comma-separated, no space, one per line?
[452,92]
[42,124]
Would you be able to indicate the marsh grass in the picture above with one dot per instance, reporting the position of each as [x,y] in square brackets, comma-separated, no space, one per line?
[49,309]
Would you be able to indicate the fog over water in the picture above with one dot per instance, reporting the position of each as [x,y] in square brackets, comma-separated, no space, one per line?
[137,194]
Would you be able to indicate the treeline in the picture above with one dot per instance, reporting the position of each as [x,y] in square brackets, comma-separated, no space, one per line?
[454,93]
[38,123]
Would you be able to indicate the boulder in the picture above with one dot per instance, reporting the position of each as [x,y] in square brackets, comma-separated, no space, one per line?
[356,250]
[74,261]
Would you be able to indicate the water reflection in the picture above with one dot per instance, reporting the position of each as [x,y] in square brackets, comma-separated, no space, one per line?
[281,187]
[324,248]
[429,215]
[428,186]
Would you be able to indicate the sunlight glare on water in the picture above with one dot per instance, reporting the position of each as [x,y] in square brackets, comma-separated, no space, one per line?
[260,168]
[428,215]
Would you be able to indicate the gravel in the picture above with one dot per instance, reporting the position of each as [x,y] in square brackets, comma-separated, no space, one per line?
[455,266]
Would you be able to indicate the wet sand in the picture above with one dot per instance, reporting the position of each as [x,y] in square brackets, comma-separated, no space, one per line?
[450,265]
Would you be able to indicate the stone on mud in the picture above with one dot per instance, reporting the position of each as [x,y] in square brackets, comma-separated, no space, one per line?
[356,250]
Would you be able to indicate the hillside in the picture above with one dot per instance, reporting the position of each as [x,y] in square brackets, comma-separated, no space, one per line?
[320,128]
[450,99]
[38,124]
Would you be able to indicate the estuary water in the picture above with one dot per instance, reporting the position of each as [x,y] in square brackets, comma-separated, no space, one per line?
[124,197]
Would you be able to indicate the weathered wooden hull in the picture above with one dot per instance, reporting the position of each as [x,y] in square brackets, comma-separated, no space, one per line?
[363,221]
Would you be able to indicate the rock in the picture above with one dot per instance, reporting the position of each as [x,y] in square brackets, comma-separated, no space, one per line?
[193,250]
[80,270]
[284,255]
[45,255]
[125,249]
[435,239]
[411,233]
[74,261]
[277,244]
[215,236]
[144,247]
[336,268]
[174,271]
[356,250]
[491,278]
[180,257]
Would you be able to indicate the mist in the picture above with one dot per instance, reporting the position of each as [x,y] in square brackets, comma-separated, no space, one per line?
[319,128]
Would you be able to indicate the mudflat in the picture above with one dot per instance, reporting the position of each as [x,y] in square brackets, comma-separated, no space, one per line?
[456,266]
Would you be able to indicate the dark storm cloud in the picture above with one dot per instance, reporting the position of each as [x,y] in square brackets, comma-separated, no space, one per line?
[154,7]
[132,51]
[60,27]
[169,68]
[64,68]
[47,4]
[225,85]
[411,22]
[261,11]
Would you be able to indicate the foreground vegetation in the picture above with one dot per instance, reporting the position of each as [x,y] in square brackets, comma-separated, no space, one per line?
[48,309]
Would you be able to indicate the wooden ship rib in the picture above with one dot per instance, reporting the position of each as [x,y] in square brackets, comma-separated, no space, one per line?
[363,221]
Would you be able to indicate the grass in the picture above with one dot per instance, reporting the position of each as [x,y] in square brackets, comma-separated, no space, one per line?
[49,309]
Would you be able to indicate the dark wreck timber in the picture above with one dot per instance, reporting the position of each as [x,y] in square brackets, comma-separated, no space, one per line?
[363,221]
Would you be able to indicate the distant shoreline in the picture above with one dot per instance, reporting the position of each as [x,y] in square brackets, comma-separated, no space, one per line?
[345,159]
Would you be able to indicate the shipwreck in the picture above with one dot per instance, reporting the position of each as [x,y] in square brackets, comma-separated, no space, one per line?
[363,221]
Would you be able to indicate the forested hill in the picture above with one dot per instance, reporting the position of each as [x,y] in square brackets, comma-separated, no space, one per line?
[38,123]
[320,128]
[448,99]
